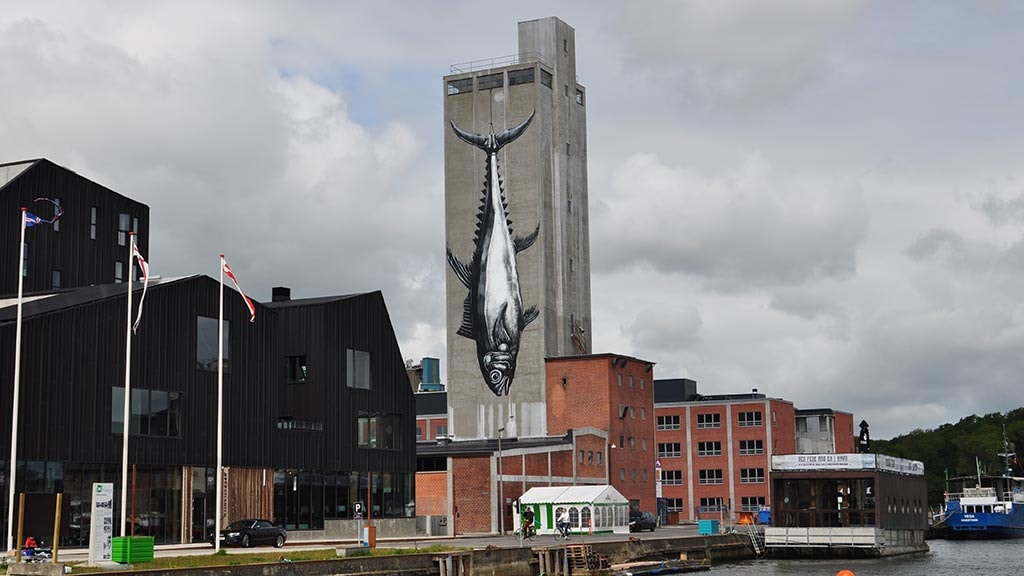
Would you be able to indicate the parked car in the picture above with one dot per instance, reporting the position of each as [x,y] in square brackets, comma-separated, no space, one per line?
[251,532]
[640,521]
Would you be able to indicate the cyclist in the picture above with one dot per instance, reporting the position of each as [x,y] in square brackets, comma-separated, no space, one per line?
[528,522]
[563,523]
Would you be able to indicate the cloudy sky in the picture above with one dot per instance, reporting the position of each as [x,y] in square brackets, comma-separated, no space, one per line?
[821,200]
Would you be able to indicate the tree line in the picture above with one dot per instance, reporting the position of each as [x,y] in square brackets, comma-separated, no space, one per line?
[959,449]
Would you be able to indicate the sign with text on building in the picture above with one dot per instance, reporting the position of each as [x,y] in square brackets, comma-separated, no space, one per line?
[857,461]
[101,525]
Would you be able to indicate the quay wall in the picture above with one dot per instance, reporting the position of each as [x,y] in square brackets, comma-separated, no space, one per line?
[486,562]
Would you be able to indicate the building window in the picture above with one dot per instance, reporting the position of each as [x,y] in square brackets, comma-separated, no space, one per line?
[285,423]
[674,504]
[135,224]
[440,431]
[152,413]
[801,425]
[643,473]
[622,473]
[357,369]
[669,450]
[379,431]
[118,271]
[641,383]
[567,152]
[579,97]
[545,77]
[581,456]
[751,475]
[599,456]
[122,229]
[489,81]
[710,476]
[56,223]
[206,344]
[750,419]
[460,86]
[565,45]
[709,449]
[643,413]
[751,447]
[55,278]
[632,413]
[634,474]
[643,443]
[711,505]
[668,422]
[419,433]
[672,477]
[92,223]
[296,369]
[751,503]
[619,378]
[709,420]
[632,443]
[522,76]
[590,457]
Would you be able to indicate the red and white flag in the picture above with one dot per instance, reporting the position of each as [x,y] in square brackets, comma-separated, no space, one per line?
[248,302]
[144,268]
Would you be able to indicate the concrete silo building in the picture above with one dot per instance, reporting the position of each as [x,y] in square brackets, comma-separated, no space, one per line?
[543,171]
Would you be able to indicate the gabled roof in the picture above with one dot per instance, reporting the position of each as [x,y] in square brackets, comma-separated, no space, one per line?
[39,304]
[573,495]
[312,301]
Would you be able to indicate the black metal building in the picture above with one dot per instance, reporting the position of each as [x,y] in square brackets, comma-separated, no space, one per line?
[87,245]
[318,412]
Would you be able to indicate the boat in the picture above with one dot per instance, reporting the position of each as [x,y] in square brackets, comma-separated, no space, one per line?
[984,506]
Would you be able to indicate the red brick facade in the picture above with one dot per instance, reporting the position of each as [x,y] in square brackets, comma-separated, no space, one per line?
[432,493]
[430,427]
[698,440]
[616,394]
[471,486]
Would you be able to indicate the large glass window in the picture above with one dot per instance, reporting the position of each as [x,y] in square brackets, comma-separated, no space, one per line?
[709,448]
[357,369]
[711,505]
[123,220]
[751,503]
[296,369]
[488,81]
[709,420]
[92,223]
[152,412]
[749,419]
[671,477]
[710,476]
[752,476]
[669,450]
[460,86]
[522,76]
[206,344]
[379,431]
[751,447]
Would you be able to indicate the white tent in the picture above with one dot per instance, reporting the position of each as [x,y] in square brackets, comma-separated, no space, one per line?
[591,508]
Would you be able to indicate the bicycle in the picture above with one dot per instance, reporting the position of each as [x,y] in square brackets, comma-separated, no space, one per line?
[530,534]
[559,534]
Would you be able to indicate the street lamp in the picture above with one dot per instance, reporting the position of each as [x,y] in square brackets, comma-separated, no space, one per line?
[501,488]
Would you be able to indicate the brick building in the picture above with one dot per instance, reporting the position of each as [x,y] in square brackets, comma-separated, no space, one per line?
[715,450]
[613,393]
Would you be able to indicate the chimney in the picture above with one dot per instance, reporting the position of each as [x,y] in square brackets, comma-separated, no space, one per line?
[280,294]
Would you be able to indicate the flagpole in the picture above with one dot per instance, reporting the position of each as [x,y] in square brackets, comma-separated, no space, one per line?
[220,404]
[17,379]
[127,392]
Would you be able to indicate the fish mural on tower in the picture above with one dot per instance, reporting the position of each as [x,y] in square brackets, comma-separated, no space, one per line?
[493,314]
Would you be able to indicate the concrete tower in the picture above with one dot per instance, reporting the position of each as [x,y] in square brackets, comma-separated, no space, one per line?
[544,177]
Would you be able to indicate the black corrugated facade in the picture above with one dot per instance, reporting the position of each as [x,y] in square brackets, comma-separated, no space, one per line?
[73,354]
[84,247]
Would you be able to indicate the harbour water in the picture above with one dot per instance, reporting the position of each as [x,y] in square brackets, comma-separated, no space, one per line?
[946,558]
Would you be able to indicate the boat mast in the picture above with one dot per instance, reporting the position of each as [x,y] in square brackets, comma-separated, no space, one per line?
[1006,454]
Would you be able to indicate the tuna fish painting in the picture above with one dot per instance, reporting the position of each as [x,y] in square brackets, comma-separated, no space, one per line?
[493,314]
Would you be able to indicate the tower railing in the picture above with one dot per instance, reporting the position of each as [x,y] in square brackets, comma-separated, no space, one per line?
[498,62]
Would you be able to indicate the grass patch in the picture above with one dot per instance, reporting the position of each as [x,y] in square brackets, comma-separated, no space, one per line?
[222,558]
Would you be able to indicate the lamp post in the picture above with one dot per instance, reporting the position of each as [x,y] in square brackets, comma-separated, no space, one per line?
[501,489]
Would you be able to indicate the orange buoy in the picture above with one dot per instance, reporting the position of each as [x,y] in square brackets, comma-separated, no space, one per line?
[845,573]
